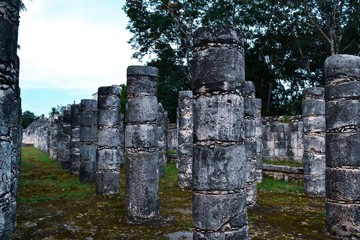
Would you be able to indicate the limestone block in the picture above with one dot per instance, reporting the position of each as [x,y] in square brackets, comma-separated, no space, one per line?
[186,150]
[218,118]
[343,90]
[313,107]
[109,117]
[186,121]
[87,171]
[241,233]
[249,128]
[142,200]
[217,35]
[343,184]
[314,93]
[218,69]
[314,124]
[250,149]
[88,134]
[314,144]
[108,159]
[141,136]
[222,166]
[342,64]
[108,97]
[314,185]
[88,153]
[249,107]
[141,80]
[108,136]
[107,183]
[148,106]
[314,164]
[185,136]
[219,212]
[342,113]
[250,171]
[343,219]
[342,149]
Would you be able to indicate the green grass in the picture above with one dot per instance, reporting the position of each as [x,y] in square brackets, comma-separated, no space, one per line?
[54,205]
[283,163]
[171,152]
[271,185]
[42,180]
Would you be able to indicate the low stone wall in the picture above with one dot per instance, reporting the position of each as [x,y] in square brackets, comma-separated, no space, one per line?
[283,138]
[286,173]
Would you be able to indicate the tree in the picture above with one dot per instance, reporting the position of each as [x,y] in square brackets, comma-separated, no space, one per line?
[27,118]
[57,110]
[286,42]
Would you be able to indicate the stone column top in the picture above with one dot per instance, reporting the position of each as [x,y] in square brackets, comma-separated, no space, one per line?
[314,92]
[91,103]
[342,64]
[142,70]
[109,90]
[185,94]
[217,35]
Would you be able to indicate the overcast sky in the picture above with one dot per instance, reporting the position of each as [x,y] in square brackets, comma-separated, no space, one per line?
[69,49]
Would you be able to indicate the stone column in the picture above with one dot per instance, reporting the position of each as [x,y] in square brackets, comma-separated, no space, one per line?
[9,115]
[219,196]
[313,111]
[141,145]
[250,142]
[58,139]
[342,94]
[53,132]
[88,139]
[259,142]
[75,139]
[65,139]
[108,154]
[162,124]
[185,139]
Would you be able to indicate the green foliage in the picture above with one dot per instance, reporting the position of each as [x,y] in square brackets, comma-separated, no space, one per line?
[27,118]
[286,42]
[57,110]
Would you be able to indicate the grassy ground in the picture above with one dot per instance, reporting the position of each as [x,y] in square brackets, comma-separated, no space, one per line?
[54,205]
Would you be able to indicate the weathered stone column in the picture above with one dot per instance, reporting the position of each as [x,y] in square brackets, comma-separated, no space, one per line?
[162,124]
[59,144]
[259,142]
[250,142]
[185,139]
[108,154]
[313,111]
[88,139]
[75,139]
[141,145]
[65,139]
[9,115]
[53,133]
[219,196]
[342,94]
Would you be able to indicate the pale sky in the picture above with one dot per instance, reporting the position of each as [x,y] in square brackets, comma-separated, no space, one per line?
[69,49]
